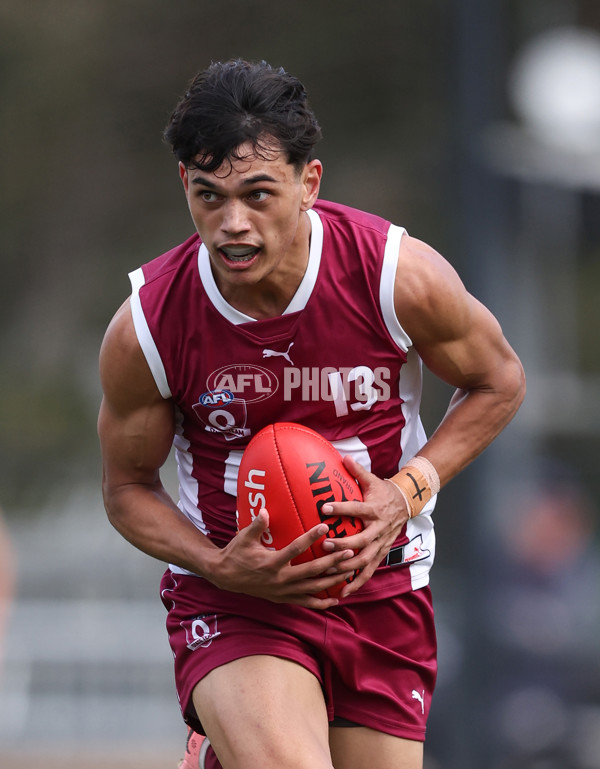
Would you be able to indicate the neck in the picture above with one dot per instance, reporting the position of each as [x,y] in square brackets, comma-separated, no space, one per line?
[270,295]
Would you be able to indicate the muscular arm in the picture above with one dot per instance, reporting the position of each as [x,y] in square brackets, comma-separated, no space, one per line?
[136,429]
[461,342]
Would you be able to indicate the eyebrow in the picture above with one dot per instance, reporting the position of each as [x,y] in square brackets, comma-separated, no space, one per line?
[201,180]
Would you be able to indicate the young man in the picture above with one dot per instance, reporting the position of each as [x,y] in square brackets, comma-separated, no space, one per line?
[282,307]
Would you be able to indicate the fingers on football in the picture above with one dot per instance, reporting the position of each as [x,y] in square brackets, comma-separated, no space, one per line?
[353,542]
[302,543]
[362,475]
[362,575]
[311,592]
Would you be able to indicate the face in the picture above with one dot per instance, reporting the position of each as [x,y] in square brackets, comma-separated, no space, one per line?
[251,216]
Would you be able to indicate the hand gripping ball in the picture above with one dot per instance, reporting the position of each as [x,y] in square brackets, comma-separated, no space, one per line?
[293,471]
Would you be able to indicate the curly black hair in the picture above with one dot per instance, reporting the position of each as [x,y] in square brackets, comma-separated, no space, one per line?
[235,102]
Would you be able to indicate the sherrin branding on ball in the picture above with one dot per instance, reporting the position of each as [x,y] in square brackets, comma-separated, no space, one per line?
[293,471]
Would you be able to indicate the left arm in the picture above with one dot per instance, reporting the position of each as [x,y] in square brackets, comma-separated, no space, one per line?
[461,342]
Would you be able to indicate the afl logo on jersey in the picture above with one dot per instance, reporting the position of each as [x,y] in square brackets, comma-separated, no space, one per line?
[246,383]
[223,407]
[216,398]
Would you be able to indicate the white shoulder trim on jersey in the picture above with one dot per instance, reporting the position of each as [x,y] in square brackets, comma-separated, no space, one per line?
[386,287]
[144,335]
[299,299]
[307,284]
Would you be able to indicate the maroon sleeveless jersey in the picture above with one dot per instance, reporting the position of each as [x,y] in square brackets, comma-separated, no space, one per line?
[336,360]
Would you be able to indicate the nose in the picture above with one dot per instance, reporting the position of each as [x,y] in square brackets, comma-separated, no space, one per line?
[235,220]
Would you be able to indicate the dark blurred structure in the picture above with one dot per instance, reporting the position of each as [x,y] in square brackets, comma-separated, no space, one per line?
[543,624]
[527,143]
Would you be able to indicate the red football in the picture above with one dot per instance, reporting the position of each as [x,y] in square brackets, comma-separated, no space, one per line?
[293,471]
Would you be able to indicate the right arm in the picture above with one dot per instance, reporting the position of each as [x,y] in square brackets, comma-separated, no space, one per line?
[136,427]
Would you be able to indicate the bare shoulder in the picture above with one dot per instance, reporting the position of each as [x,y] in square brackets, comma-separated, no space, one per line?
[421,262]
[135,424]
[430,298]
[124,372]
[456,336]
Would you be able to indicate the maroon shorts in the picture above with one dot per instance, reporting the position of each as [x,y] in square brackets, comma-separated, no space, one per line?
[375,660]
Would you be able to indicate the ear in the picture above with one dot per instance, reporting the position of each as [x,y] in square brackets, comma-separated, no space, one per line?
[183,175]
[311,182]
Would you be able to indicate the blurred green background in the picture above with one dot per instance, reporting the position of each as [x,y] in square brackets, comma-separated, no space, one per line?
[425,122]
[89,190]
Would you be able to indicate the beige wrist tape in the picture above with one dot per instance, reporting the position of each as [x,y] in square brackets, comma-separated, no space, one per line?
[417,481]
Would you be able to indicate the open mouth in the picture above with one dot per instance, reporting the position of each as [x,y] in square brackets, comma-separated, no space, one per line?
[239,254]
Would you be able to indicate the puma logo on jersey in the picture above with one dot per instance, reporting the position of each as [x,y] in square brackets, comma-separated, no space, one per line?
[278,354]
[421,697]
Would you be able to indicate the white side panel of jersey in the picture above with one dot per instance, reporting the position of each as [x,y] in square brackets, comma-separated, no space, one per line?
[421,545]
[411,381]
[356,448]
[419,530]
[144,336]
[188,485]
[232,468]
